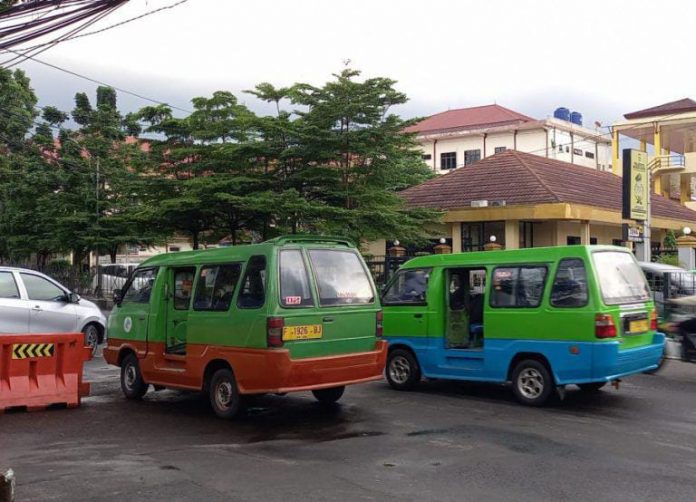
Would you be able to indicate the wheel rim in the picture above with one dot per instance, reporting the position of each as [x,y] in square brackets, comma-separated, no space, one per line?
[91,336]
[530,383]
[399,369]
[130,376]
[223,395]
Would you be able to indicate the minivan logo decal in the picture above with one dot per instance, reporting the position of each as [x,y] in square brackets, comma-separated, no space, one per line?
[127,324]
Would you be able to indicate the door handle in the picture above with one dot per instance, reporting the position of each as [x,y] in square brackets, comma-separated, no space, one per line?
[328,319]
[418,316]
[141,318]
[36,308]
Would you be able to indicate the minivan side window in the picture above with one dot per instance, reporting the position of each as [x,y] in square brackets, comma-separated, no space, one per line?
[8,286]
[140,287]
[253,292]
[570,285]
[216,285]
[408,288]
[517,286]
[41,289]
[295,289]
[183,287]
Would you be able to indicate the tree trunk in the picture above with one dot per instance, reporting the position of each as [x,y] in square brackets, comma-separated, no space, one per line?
[195,238]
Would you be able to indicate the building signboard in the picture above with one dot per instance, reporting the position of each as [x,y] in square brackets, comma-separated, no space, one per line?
[632,233]
[636,184]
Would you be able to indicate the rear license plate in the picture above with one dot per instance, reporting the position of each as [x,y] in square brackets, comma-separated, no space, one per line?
[638,326]
[307,332]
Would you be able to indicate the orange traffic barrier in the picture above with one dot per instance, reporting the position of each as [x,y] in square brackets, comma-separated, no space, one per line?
[39,370]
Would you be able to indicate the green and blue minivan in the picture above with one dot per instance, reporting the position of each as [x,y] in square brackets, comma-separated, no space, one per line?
[540,318]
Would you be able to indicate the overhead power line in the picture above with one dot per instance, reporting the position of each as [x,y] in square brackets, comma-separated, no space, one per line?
[28,20]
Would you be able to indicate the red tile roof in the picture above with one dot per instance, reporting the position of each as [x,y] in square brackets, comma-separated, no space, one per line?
[523,178]
[469,118]
[679,106]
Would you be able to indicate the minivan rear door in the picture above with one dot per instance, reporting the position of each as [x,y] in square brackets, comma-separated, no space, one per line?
[338,316]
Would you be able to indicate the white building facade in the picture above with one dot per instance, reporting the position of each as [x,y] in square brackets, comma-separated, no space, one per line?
[457,138]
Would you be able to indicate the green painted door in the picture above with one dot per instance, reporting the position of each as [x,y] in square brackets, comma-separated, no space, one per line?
[131,318]
[179,291]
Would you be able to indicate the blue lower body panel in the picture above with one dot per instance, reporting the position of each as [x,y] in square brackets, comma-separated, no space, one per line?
[571,362]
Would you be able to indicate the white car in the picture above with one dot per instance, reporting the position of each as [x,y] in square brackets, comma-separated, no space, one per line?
[31,302]
[113,276]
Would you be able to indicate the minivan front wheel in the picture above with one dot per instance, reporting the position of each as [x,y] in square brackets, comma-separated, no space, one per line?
[132,383]
[532,383]
[224,395]
[403,372]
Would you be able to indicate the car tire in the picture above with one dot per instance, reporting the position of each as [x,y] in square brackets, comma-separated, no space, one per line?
[403,371]
[329,396]
[224,394]
[132,383]
[591,387]
[532,384]
[91,332]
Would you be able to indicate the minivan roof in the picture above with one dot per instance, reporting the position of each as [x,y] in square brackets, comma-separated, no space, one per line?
[240,253]
[509,256]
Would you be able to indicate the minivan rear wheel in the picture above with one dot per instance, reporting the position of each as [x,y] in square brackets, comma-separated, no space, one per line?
[224,395]
[532,383]
[403,371]
[329,396]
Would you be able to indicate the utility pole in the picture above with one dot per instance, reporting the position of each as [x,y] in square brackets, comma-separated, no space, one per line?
[98,292]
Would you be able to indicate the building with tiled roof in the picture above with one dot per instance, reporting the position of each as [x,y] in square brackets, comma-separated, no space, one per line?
[457,138]
[527,200]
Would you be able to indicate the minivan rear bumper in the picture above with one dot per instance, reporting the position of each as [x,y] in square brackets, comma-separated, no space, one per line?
[610,363]
[276,372]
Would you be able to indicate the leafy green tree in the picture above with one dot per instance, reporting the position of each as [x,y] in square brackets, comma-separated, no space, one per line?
[17,112]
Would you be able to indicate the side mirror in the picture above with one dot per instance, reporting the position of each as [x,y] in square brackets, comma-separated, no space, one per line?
[117,296]
[73,298]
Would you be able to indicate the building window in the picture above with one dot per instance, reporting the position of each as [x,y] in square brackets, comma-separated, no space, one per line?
[589,155]
[526,234]
[500,149]
[617,242]
[174,249]
[471,156]
[476,235]
[426,156]
[577,151]
[448,160]
[573,240]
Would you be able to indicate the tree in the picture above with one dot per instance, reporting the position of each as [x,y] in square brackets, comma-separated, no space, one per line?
[17,113]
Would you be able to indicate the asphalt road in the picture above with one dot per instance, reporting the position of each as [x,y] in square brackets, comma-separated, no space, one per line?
[446,441]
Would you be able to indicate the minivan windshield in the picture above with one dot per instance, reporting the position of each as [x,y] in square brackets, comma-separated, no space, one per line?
[341,277]
[620,278]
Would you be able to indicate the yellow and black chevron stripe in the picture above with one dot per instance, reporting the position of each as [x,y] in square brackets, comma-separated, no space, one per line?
[27,350]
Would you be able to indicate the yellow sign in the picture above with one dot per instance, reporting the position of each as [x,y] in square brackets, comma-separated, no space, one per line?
[27,350]
[636,185]
[307,332]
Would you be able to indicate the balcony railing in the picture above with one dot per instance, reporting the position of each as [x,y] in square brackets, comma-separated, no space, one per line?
[666,164]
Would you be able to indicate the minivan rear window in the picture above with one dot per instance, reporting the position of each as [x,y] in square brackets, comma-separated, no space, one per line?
[341,277]
[620,278]
[295,289]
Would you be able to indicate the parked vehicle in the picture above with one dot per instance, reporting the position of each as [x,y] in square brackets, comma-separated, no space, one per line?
[540,318]
[113,276]
[291,314]
[31,302]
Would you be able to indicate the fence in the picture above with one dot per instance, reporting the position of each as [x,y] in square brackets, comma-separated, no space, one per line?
[667,286]
[383,267]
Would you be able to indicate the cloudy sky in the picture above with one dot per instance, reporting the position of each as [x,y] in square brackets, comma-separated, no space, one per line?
[600,57]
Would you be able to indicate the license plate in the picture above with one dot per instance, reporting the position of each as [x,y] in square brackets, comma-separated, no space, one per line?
[638,326]
[306,332]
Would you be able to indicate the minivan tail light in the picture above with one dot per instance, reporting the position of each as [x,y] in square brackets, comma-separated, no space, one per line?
[274,331]
[604,326]
[379,331]
[653,321]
